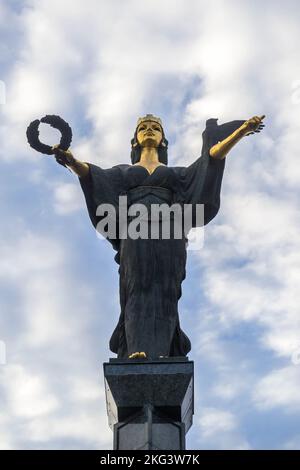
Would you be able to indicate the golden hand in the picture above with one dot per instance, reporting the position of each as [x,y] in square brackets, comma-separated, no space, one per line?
[252,125]
[65,157]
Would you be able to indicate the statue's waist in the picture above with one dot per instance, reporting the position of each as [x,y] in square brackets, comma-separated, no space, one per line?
[155,200]
[150,195]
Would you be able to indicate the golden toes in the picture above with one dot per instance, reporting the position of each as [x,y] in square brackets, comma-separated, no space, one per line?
[137,355]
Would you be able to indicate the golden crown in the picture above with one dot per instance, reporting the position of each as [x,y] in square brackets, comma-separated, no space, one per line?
[149,117]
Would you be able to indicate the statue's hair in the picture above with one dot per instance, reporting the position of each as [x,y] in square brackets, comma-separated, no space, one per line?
[136,149]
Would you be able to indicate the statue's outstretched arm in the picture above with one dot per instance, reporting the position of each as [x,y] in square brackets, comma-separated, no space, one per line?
[252,125]
[67,158]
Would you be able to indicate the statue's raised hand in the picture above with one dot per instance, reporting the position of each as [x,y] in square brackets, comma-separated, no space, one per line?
[64,157]
[253,125]
[67,159]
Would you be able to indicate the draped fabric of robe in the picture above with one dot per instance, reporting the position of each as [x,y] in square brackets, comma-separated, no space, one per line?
[151,270]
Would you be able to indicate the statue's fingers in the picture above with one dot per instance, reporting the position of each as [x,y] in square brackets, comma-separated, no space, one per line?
[262,117]
[59,152]
[255,121]
[55,147]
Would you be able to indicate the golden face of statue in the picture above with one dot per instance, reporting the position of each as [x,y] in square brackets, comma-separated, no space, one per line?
[149,134]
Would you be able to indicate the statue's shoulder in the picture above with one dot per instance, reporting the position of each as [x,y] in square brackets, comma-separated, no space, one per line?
[122,166]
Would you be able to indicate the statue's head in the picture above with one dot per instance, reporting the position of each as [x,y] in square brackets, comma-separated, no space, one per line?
[149,133]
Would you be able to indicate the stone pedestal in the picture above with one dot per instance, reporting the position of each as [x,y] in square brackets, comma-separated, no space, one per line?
[150,403]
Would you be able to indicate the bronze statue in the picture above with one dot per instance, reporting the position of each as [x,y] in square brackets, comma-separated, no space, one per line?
[152,270]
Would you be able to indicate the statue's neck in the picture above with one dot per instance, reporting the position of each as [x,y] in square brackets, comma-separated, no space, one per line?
[149,156]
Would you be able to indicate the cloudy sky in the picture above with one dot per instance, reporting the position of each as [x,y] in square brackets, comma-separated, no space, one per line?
[100,64]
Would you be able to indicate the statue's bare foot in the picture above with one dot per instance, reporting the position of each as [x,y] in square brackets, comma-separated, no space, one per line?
[137,355]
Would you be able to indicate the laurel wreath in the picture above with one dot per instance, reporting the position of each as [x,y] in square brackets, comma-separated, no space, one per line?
[58,123]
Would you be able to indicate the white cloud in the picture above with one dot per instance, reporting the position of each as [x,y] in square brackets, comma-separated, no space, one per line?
[280,388]
[229,386]
[219,429]
[86,390]
[44,418]
[79,426]
[293,443]
[214,421]
[68,198]
[27,394]
[6,443]
[30,254]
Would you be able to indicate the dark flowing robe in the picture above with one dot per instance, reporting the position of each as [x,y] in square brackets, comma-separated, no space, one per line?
[151,270]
